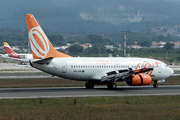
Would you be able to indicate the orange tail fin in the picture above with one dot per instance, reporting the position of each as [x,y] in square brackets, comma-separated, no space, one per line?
[40,45]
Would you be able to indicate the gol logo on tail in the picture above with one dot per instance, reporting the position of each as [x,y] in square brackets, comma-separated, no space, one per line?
[39,42]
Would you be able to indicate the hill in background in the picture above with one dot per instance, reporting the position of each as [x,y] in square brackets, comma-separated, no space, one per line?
[91,16]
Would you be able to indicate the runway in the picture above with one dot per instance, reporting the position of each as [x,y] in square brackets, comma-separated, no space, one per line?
[10,72]
[60,92]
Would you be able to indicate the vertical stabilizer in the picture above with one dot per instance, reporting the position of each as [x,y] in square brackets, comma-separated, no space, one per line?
[9,51]
[40,45]
[8,48]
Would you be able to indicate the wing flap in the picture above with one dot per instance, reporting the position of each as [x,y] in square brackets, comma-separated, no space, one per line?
[122,75]
[142,70]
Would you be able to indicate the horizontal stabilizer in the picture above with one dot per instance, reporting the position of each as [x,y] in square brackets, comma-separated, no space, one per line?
[44,61]
[17,59]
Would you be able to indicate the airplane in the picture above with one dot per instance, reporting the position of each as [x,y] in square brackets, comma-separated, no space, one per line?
[93,70]
[13,55]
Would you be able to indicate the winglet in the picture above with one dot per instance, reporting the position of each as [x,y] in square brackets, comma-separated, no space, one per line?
[40,45]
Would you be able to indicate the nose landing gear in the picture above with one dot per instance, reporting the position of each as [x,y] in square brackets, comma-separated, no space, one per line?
[155,85]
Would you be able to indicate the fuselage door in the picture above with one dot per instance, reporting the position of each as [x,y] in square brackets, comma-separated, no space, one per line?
[64,67]
[159,68]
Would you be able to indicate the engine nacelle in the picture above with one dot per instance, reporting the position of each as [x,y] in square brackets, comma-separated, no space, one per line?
[139,79]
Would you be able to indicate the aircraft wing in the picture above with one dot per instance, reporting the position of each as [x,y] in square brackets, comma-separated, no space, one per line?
[17,59]
[122,75]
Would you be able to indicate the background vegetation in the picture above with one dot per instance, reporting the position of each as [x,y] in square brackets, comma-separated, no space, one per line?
[19,38]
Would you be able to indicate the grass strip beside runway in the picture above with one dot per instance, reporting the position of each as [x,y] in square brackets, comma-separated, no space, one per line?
[132,108]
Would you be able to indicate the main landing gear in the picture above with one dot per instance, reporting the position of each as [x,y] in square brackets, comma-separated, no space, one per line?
[90,85]
[155,85]
[111,85]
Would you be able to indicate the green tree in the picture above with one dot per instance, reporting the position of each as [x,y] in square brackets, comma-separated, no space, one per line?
[56,39]
[130,43]
[168,38]
[98,49]
[72,41]
[161,38]
[145,43]
[76,49]
[94,39]
[109,41]
[168,46]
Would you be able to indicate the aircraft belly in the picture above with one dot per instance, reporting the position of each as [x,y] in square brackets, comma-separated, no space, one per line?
[82,75]
[157,77]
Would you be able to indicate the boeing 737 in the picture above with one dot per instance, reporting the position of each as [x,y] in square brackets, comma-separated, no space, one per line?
[93,70]
[13,55]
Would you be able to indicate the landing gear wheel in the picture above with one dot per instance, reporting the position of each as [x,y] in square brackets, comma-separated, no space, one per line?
[155,85]
[112,86]
[89,85]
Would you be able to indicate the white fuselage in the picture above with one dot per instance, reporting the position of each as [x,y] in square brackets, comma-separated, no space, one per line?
[23,56]
[94,68]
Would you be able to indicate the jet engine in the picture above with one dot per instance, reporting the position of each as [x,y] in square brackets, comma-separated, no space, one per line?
[139,79]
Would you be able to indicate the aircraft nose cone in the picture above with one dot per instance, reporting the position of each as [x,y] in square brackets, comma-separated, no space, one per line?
[171,72]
